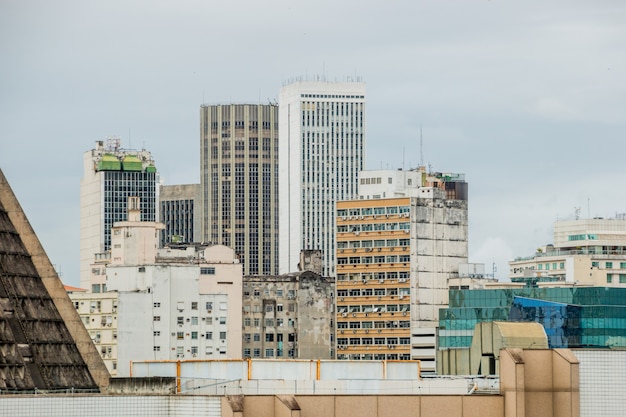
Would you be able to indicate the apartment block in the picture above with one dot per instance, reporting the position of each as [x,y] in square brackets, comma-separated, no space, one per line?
[98,312]
[394,259]
[288,316]
[585,251]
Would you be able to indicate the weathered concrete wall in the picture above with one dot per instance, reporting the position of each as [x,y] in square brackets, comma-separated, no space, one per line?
[142,386]
[53,285]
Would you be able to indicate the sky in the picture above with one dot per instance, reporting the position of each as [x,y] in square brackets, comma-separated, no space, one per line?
[527,99]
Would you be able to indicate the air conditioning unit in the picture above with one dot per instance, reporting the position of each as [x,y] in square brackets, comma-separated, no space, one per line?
[406,231]
[357,233]
[367,331]
[404,313]
[344,314]
[194,355]
[341,331]
[353,314]
[354,331]
[400,297]
[382,281]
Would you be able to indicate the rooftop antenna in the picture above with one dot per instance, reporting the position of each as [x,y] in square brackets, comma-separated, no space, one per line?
[576,213]
[421,148]
[403,152]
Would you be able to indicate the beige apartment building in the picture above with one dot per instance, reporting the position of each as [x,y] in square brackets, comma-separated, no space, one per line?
[98,312]
[394,259]
[585,251]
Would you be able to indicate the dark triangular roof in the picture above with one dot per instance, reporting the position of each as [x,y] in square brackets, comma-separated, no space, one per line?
[43,344]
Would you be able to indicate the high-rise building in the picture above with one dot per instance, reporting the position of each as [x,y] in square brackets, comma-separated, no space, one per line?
[322,143]
[178,205]
[111,175]
[395,257]
[239,182]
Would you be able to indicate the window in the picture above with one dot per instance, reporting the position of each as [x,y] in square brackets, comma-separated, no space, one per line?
[194,335]
[222,320]
[208,335]
[194,350]
[194,321]
[609,278]
[622,278]
[156,348]
[257,337]
[257,353]
[595,264]
[157,333]
[207,271]
[180,335]
[156,305]
[180,320]
[194,305]
[246,352]
[209,305]
[223,335]
[269,337]
[156,318]
[608,265]
[279,307]
[622,265]
[269,353]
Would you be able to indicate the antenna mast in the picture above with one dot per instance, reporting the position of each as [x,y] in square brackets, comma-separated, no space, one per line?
[421,148]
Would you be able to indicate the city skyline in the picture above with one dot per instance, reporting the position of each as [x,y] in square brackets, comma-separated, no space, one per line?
[528,100]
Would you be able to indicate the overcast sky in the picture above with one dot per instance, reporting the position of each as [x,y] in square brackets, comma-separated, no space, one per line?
[526,98]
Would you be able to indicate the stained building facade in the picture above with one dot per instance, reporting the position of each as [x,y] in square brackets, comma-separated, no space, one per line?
[239,182]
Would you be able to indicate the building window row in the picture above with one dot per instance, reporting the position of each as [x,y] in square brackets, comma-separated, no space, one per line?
[381,276]
[368,292]
[380,259]
[377,243]
[349,214]
[346,311]
[373,227]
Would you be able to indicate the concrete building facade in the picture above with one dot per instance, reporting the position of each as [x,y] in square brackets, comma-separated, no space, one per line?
[394,259]
[239,182]
[111,174]
[322,142]
[180,301]
[178,207]
[288,316]
[585,251]
[98,312]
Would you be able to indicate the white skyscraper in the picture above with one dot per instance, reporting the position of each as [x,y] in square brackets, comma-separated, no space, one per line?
[322,149]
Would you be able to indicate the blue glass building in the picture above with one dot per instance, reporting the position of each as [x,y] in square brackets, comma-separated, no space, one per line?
[572,316]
